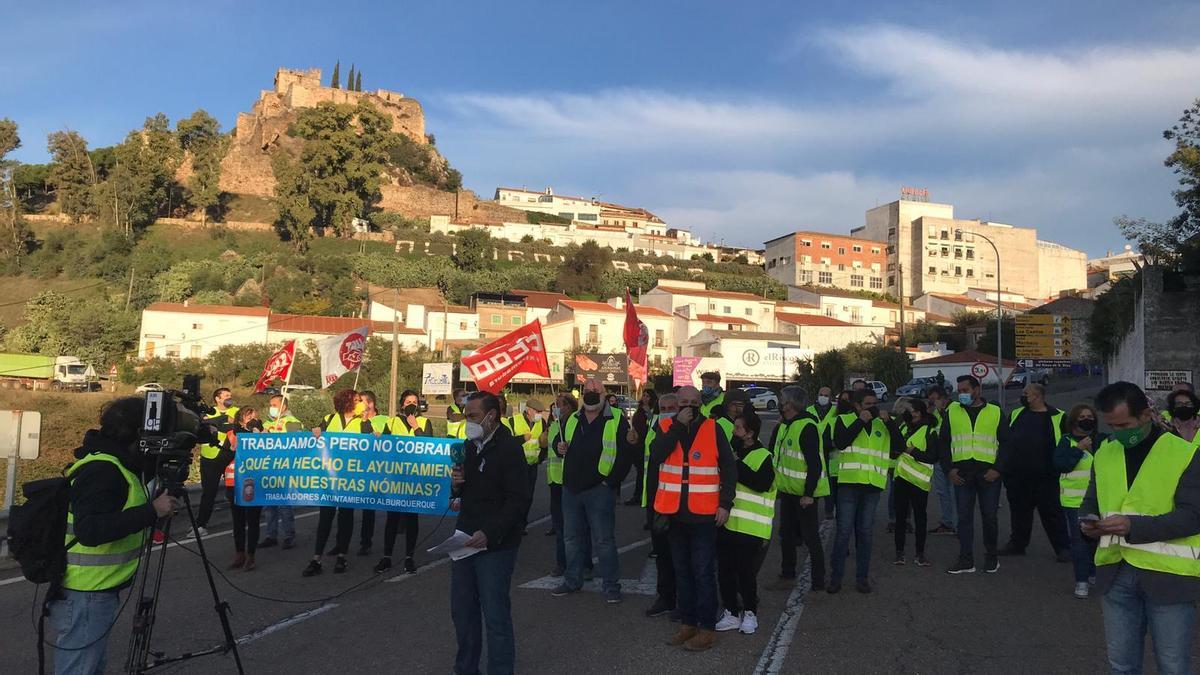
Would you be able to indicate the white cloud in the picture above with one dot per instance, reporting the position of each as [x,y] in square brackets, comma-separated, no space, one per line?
[1059,140]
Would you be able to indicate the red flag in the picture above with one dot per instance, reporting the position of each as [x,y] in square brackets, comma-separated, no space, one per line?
[279,365]
[637,340]
[521,351]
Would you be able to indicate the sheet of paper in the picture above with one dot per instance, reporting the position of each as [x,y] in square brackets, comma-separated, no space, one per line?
[453,546]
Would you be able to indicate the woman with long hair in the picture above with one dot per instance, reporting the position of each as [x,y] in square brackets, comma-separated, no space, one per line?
[408,423]
[347,417]
[245,518]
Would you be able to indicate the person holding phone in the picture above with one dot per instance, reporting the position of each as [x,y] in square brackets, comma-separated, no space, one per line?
[1143,504]
[1073,460]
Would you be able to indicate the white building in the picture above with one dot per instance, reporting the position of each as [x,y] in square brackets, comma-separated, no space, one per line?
[570,208]
[600,326]
[695,301]
[748,356]
[189,331]
[818,333]
[423,311]
[953,366]
[558,234]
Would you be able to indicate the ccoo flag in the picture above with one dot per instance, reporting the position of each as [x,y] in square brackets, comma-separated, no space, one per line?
[637,341]
[521,351]
[279,366]
[340,354]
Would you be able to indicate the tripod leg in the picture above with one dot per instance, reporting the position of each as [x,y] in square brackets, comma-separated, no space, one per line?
[220,605]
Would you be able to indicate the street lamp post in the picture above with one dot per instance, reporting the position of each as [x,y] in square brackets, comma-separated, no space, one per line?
[999,322]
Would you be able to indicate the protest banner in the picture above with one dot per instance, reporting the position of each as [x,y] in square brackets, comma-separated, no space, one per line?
[360,471]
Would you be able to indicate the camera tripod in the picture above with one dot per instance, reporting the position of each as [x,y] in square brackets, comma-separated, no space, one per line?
[141,658]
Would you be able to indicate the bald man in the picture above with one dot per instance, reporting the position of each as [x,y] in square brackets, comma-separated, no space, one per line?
[1031,432]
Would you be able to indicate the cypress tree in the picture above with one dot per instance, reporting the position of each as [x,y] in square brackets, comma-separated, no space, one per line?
[358,81]
[350,79]
[336,74]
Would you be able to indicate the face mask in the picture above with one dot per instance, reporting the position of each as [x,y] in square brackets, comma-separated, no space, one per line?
[274,412]
[822,401]
[708,391]
[737,443]
[591,398]
[696,415]
[474,431]
[874,410]
[359,408]
[410,410]
[1086,424]
[254,425]
[907,417]
[1131,437]
[554,412]
[666,415]
[966,399]
[227,403]
[1024,401]
[1184,413]
[462,401]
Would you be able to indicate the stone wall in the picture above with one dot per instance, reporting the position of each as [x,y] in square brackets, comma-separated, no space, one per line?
[420,201]
[1167,312]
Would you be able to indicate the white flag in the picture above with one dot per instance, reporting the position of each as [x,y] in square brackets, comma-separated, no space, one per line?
[340,354]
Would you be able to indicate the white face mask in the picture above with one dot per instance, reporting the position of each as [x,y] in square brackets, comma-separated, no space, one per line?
[593,408]
[474,431]
[822,400]
[666,415]
[274,412]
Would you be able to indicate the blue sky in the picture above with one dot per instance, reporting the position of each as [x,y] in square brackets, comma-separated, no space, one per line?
[741,121]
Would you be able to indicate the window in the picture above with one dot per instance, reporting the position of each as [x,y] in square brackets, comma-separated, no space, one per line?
[891,281]
[989,275]
[805,242]
[841,250]
[856,280]
[830,310]
[825,277]
[771,264]
[195,352]
[172,351]
[970,254]
[587,216]
[857,248]
[841,267]
[958,253]
[516,320]
[855,315]
[497,320]
[805,276]
[958,271]
[806,259]
[749,311]
[826,245]
[945,234]
[826,262]
[875,250]
[932,269]
[659,339]
[876,282]
[891,233]
[958,235]
[891,267]
[462,325]
[594,334]
[712,306]
[566,214]
[197,326]
[945,252]
[970,272]
[728,309]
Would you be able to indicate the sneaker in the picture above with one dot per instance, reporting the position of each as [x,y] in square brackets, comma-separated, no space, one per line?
[991,564]
[783,583]
[313,569]
[749,623]
[1082,589]
[659,608]
[364,550]
[613,597]
[682,635]
[921,560]
[197,532]
[1010,550]
[339,567]
[899,559]
[410,565]
[268,542]
[239,561]
[561,590]
[963,566]
[1062,557]
[862,586]
[589,574]
[703,641]
[1092,580]
[383,565]
[290,542]
[729,622]
[675,616]
[943,529]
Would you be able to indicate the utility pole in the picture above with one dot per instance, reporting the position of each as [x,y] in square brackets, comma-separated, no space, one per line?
[395,350]
[445,327]
[129,293]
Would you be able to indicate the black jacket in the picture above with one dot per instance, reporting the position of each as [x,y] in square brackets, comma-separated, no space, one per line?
[99,491]
[759,480]
[1029,442]
[581,464]
[495,494]
[970,468]
[727,464]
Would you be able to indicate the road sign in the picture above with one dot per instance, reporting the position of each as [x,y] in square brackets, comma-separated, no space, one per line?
[1043,339]
[1044,363]
[979,369]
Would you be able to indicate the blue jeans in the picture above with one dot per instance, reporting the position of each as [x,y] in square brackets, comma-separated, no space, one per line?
[856,506]
[83,621]
[592,509]
[988,496]
[693,551]
[1083,549]
[560,534]
[280,518]
[1127,616]
[946,498]
[479,597]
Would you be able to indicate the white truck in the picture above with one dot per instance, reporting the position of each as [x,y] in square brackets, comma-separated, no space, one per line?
[42,371]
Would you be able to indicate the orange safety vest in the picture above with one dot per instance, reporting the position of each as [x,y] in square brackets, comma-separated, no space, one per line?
[697,469]
[229,469]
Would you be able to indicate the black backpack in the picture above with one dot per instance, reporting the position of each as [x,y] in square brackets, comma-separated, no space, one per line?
[37,530]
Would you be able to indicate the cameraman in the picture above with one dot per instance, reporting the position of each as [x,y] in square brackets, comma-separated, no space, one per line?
[214,458]
[107,518]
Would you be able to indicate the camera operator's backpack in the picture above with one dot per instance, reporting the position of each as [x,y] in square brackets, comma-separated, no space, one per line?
[37,530]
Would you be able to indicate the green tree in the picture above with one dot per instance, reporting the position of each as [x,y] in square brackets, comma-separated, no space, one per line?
[200,135]
[358,81]
[9,139]
[337,70]
[1113,316]
[138,187]
[922,332]
[826,369]
[473,251]
[19,240]
[98,332]
[583,271]
[71,173]
[350,79]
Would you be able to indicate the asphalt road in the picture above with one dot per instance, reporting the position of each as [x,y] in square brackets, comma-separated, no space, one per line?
[918,620]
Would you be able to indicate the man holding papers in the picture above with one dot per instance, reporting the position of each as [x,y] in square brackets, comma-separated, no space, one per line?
[493,486]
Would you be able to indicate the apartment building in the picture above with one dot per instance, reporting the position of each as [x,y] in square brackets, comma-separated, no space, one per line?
[821,259]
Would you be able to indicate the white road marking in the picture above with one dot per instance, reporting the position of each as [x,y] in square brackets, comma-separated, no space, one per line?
[442,561]
[776,651]
[285,623]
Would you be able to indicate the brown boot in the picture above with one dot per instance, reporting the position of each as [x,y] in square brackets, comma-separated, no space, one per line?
[681,636]
[238,561]
[702,641]
[249,566]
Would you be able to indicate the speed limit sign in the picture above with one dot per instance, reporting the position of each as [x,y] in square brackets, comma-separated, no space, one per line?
[979,370]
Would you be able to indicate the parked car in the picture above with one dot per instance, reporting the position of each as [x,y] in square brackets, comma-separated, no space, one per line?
[290,389]
[762,398]
[1023,376]
[920,387]
[880,389]
[149,386]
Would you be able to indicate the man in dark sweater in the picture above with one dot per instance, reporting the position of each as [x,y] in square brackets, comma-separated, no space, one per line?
[1030,436]
[596,453]
[688,454]
[1143,504]
[493,486]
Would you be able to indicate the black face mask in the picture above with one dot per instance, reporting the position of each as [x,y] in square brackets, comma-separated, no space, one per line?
[907,417]
[874,410]
[844,407]
[1024,401]
[591,397]
[410,409]
[737,444]
[696,414]
[1184,413]
[1086,424]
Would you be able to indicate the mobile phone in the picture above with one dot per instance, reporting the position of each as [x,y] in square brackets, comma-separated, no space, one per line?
[1089,518]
